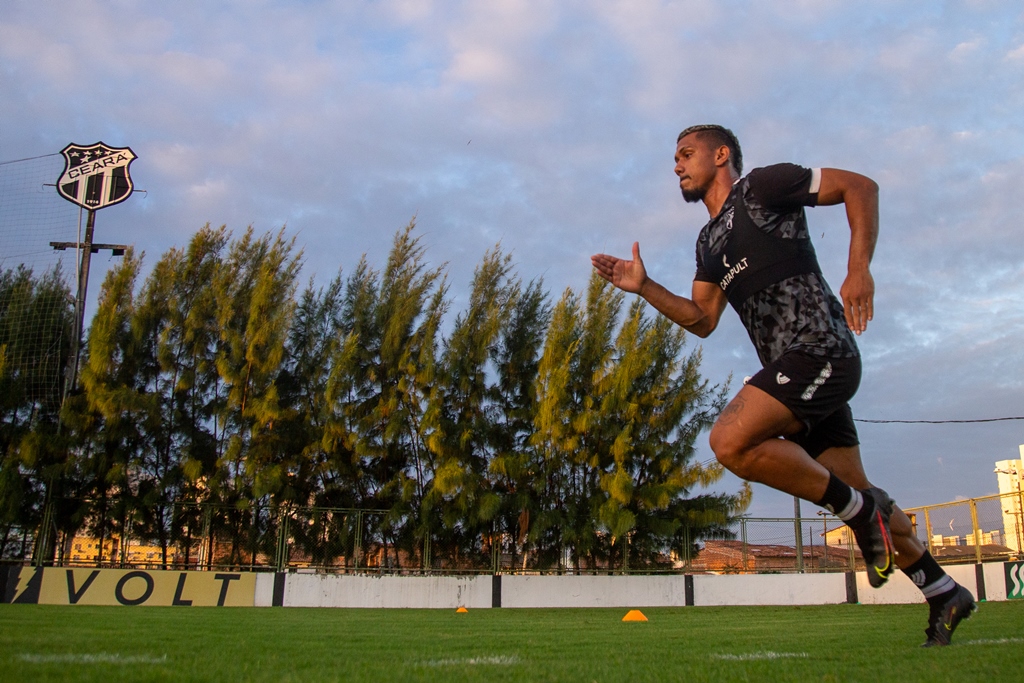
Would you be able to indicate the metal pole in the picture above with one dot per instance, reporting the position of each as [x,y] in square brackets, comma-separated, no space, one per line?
[743,535]
[359,538]
[281,561]
[83,287]
[495,550]
[689,547]
[824,540]
[208,535]
[42,549]
[799,534]
[977,531]
[43,541]
[928,531]
[849,546]
[1020,519]
[1019,516]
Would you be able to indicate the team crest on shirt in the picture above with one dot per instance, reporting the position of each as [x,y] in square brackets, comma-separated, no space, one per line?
[781,379]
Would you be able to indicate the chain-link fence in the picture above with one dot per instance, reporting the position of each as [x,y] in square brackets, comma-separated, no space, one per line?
[776,545]
[974,530]
[205,536]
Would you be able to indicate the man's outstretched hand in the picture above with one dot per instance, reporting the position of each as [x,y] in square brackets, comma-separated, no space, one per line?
[629,276]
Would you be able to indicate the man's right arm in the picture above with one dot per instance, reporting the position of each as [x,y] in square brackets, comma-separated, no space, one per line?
[699,314]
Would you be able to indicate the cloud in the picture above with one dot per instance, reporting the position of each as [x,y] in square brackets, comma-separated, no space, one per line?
[1016,54]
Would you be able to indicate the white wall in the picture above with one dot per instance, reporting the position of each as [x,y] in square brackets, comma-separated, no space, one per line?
[440,592]
[901,590]
[593,591]
[475,592]
[995,581]
[769,589]
[264,589]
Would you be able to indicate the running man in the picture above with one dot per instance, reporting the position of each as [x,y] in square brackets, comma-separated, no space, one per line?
[790,426]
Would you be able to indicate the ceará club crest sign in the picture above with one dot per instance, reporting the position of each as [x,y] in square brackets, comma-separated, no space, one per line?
[96,176]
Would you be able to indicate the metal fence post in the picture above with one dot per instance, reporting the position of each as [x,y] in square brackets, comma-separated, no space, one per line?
[126,530]
[799,535]
[1019,519]
[43,538]
[977,530]
[687,549]
[281,561]
[928,531]
[849,545]
[208,534]
[743,538]
[359,538]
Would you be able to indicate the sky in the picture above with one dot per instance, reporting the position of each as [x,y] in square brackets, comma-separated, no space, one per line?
[550,127]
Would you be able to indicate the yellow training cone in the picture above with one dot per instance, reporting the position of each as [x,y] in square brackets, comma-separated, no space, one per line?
[463,610]
[634,615]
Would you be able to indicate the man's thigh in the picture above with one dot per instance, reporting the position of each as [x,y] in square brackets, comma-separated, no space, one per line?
[753,417]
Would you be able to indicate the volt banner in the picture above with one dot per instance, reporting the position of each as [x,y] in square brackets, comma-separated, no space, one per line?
[129,587]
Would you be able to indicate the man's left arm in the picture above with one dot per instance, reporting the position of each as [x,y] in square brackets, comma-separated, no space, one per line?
[860,195]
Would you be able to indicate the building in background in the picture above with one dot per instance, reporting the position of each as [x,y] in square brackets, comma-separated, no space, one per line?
[1008,474]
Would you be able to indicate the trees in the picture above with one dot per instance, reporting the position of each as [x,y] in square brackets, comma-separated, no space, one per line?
[464,419]
[178,327]
[219,400]
[36,326]
[254,290]
[114,417]
[383,371]
[616,424]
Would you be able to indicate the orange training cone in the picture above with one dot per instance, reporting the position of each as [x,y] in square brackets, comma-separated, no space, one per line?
[634,615]
[463,610]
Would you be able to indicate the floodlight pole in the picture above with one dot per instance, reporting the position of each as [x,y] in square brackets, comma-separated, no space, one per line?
[83,286]
[86,248]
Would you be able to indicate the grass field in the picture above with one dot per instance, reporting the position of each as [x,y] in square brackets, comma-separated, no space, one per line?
[833,643]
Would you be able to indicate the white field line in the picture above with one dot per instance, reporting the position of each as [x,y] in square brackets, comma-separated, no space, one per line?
[755,656]
[991,641]
[97,658]
[501,660]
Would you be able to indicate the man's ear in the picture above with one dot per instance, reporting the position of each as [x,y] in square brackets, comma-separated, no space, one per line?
[722,155]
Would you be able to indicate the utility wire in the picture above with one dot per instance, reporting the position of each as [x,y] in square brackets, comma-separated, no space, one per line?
[938,422]
[41,156]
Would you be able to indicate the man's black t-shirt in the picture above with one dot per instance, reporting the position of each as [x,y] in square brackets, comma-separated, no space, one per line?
[784,303]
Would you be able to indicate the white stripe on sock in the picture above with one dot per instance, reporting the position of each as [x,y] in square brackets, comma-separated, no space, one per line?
[946,583]
[853,507]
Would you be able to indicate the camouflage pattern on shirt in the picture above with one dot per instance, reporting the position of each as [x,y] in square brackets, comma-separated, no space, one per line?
[800,312]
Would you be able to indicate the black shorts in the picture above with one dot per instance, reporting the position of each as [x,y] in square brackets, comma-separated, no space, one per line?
[818,390]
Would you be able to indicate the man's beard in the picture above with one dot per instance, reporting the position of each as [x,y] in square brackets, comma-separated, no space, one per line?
[695,195]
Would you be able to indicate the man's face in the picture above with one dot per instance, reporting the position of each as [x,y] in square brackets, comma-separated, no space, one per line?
[695,166]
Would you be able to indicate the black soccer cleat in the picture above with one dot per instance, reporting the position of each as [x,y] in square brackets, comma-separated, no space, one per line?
[943,619]
[874,538]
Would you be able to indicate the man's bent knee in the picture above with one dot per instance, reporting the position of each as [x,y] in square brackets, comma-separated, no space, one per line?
[733,453]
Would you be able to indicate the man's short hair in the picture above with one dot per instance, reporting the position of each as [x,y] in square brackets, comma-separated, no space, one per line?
[719,135]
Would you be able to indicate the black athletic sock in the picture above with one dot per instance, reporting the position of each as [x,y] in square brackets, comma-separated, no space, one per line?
[927,575]
[842,500]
